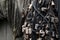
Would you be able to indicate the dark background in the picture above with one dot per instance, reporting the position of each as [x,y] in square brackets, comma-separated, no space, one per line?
[6,33]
